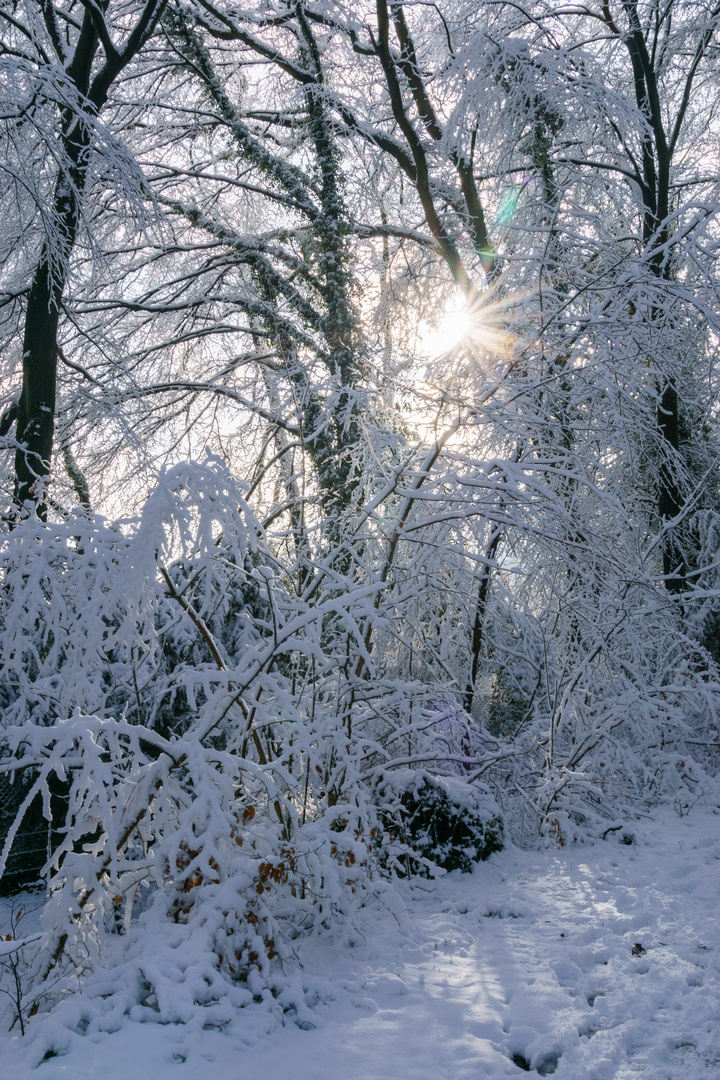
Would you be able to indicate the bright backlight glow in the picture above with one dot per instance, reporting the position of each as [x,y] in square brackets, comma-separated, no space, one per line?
[481,328]
[451,331]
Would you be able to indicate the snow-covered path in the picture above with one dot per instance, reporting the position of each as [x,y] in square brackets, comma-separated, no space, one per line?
[591,963]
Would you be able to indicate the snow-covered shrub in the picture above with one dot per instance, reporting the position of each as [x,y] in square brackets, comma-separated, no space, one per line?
[436,823]
[622,714]
[247,759]
[219,787]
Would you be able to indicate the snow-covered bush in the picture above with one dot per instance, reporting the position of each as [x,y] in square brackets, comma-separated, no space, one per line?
[600,721]
[245,763]
[221,793]
[435,824]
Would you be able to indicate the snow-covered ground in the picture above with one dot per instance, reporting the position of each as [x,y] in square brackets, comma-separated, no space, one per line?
[588,963]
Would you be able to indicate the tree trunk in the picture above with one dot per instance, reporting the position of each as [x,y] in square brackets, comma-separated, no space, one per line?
[479,621]
[36,408]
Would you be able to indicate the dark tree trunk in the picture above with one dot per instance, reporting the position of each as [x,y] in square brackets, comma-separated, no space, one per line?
[479,621]
[670,500]
[35,413]
[36,408]
[656,164]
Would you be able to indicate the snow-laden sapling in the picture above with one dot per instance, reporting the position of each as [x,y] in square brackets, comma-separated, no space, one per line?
[14,981]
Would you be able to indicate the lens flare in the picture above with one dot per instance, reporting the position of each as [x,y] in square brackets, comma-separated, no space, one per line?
[480,328]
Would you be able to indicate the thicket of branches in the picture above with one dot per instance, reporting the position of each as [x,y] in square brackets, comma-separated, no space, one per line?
[366,578]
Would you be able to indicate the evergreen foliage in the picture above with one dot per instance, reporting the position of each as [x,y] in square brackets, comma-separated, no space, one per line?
[437,824]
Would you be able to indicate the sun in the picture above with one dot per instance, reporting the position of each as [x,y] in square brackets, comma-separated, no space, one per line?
[480,327]
[451,330]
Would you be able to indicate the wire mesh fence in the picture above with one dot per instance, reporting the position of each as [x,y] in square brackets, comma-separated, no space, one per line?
[36,836]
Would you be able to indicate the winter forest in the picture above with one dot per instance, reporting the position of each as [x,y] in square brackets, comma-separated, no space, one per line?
[359,471]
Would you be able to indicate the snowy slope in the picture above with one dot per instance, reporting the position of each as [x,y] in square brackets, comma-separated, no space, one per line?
[589,963]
